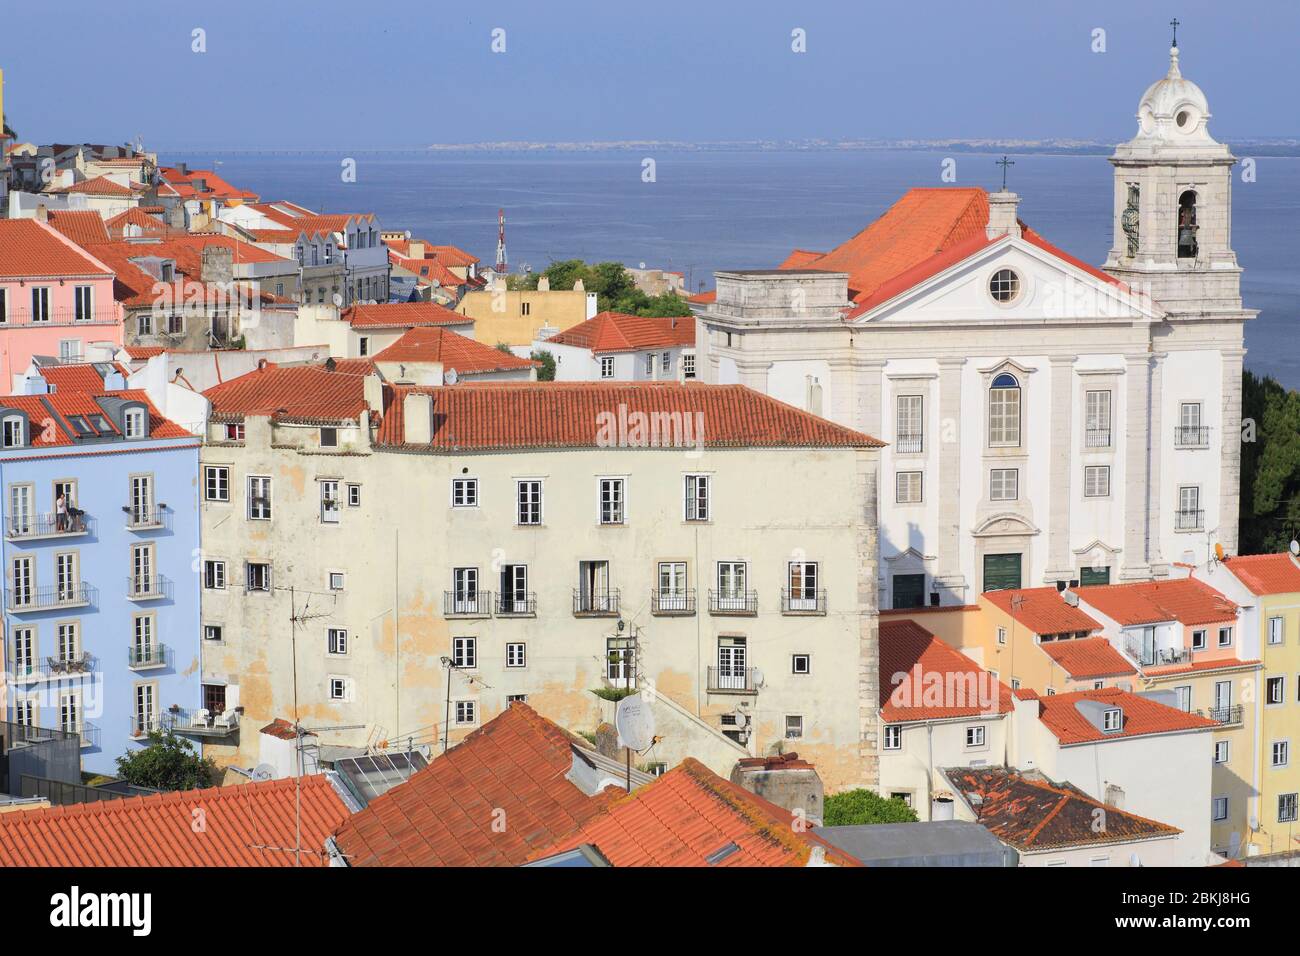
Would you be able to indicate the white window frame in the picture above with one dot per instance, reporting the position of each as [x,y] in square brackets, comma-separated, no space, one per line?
[464,492]
[1225,751]
[696,501]
[524,507]
[999,477]
[217,567]
[893,737]
[216,483]
[1096,481]
[607,366]
[336,641]
[611,501]
[1219,809]
[976,737]
[464,653]
[794,727]
[1276,630]
[516,654]
[807,664]
[466,712]
[1279,753]
[909,487]
[255,511]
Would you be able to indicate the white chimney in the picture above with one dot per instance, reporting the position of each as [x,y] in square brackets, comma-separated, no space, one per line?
[417,418]
[1002,214]
[373,390]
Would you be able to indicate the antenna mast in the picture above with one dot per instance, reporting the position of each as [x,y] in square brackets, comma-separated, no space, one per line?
[501,267]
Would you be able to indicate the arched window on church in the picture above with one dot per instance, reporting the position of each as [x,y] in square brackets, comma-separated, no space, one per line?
[1187,225]
[1004,411]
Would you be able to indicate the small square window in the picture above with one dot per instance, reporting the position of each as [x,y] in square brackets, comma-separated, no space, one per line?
[212,632]
[1198,640]
[974,736]
[337,640]
[329,437]
[464,652]
[214,575]
[607,366]
[338,688]
[466,712]
[336,580]
[893,737]
[1004,484]
[1281,756]
[1220,808]
[464,493]
[793,727]
[354,496]
[516,655]
[1221,751]
[1275,690]
[801,664]
[1225,637]
[259,577]
[1096,481]
[1286,808]
[1112,720]
[907,487]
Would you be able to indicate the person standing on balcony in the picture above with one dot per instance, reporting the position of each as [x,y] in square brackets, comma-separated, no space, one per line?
[61,513]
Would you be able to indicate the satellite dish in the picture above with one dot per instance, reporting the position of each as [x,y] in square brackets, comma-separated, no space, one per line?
[450,377]
[337,300]
[635,723]
[263,771]
[758,677]
[1295,548]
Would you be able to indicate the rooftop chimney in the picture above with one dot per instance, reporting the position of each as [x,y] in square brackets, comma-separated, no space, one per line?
[42,213]
[1002,214]
[374,394]
[417,418]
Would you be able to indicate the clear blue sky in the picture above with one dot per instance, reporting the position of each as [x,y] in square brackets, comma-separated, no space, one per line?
[320,73]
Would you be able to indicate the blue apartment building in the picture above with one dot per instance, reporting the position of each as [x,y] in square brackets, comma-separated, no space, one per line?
[100,524]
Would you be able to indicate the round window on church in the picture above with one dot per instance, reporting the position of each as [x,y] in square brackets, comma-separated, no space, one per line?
[1004,286]
[1184,118]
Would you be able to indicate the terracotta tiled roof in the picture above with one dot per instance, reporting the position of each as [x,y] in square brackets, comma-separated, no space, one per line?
[1141,716]
[98,186]
[244,825]
[703,298]
[1200,666]
[61,406]
[690,815]
[590,415]
[1266,573]
[1089,658]
[402,315]
[291,393]
[513,768]
[923,223]
[213,184]
[82,226]
[453,256]
[1041,610]
[800,259]
[30,248]
[1033,815]
[83,377]
[276,236]
[453,350]
[426,270]
[617,332]
[143,351]
[145,224]
[906,695]
[1186,600]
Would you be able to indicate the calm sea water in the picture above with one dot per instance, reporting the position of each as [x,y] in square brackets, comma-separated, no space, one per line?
[745,210]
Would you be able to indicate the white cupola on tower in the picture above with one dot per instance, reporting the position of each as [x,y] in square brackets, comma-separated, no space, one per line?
[1173,202]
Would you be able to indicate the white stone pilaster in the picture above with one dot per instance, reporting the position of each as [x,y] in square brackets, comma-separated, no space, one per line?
[1230,450]
[950,577]
[1137,466]
[1060,567]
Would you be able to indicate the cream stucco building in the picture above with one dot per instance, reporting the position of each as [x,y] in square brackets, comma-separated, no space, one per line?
[1047,420]
[441,551]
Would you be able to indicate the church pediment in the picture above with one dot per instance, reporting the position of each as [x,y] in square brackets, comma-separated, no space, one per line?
[1011,280]
[1004,524]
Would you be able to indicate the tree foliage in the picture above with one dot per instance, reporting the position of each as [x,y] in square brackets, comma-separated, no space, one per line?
[1270,465]
[853,807]
[547,371]
[614,288]
[168,762]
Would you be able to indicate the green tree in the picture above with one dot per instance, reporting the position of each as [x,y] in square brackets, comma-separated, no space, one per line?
[547,372]
[167,763]
[1269,510]
[853,807]
[504,347]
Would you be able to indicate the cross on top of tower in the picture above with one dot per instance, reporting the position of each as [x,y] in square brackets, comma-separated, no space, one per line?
[1174,23]
[1004,163]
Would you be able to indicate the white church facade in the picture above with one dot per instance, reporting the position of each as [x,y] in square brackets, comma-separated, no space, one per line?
[1047,420]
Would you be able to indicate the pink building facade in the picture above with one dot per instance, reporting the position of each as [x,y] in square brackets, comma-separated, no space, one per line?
[56,299]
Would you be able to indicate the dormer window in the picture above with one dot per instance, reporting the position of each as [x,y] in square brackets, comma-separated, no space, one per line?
[14,432]
[167,271]
[134,423]
[1112,720]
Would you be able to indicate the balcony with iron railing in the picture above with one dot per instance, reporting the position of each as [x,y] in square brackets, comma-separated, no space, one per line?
[147,517]
[1145,656]
[672,603]
[144,725]
[1225,716]
[805,601]
[89,736]
[27,670]
[54,318]
[147,657]
[909,443]
[466,603]
[731,680]
[27,599]
[47,526]
[516,604]
[1096,437]
[200,722]
[729,602]
[595,603]
[1191,436]
[1189,519]
[148,587]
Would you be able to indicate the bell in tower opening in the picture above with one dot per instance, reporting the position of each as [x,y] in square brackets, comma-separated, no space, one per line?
[1187,225]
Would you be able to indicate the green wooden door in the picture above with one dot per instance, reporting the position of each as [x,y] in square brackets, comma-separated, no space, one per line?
[909,590]
[1001,572]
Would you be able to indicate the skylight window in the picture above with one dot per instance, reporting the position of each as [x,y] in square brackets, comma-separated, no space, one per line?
[720,854]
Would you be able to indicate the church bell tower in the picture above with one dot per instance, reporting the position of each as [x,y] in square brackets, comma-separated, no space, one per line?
[1173,204]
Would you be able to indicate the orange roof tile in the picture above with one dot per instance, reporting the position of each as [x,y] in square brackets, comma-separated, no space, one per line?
[82,377]
[61,406]
[445,814]
[98,186]
[402,315]
[290,393]
[249,824]
[1041,610]
[617,332]
[453,350]
[82,226]
[1266,573]
[590,415]
[1186,600]
[687,816]
[907,694]
[1088,658]
[145,224]
[426,270]
[1141,716]
[29,248]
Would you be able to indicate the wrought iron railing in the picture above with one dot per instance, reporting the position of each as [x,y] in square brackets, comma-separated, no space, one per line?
[48,597]
[1189,519]
[803,601]
[1191,435]
[736,680]
[667,603]
[728,601]
[466,603]
[48,526]
[596,603]
[516,604]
